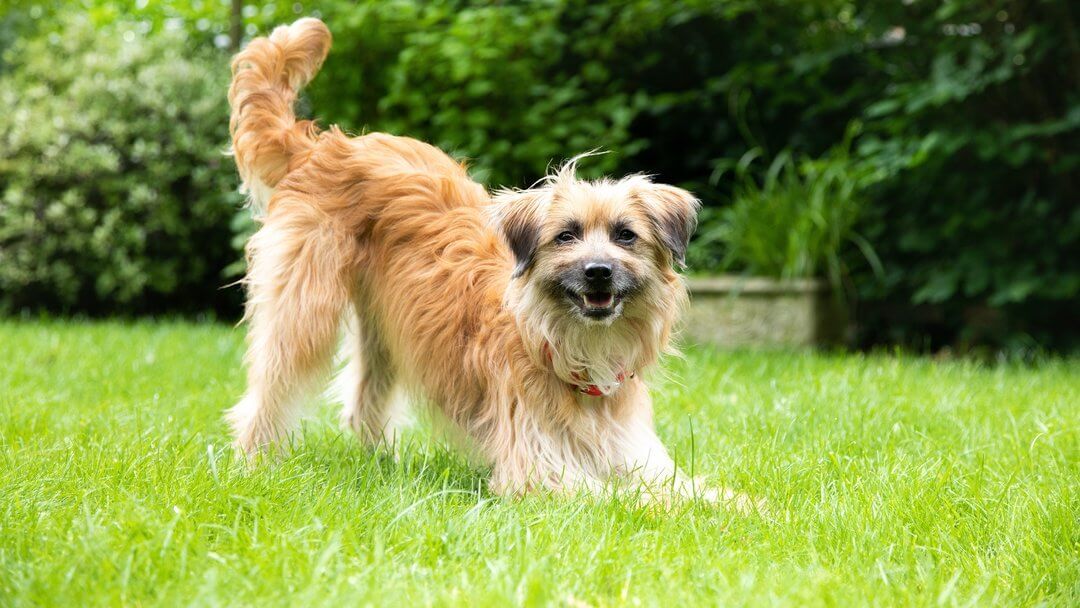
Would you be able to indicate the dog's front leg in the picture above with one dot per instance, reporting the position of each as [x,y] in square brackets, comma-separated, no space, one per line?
[641,459]
[532,457]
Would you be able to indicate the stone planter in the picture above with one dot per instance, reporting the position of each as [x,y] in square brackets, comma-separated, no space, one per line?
[731,311]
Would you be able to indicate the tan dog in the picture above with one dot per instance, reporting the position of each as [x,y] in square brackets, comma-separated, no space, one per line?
[528,319]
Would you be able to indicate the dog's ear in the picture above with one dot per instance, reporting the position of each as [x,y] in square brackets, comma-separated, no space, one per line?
[518,215]
[673,214]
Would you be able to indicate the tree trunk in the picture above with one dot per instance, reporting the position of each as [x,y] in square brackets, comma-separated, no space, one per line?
[236,24]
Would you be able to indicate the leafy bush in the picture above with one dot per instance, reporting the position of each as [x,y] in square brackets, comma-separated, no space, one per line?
[793,222]
[979,230]
[510,87]
[114,192]
[970,111]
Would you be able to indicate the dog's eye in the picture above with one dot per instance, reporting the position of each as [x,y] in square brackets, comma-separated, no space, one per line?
[626,236]
[565,237]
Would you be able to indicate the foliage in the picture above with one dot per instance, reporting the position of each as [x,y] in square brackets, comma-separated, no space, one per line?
[893,481]
[970,112]
[794,223]
[115,194]
[982,114]
[510,87]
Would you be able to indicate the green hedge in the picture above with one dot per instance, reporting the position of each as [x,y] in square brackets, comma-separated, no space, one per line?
[970,110]
[115,194]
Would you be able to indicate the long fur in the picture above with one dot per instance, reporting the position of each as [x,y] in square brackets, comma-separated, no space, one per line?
[268,142]
[390,234]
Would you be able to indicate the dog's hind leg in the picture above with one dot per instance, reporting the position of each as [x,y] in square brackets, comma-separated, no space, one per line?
[365,386]
[297,288]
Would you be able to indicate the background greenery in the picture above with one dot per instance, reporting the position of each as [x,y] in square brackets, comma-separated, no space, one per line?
[115,199]
[115,189]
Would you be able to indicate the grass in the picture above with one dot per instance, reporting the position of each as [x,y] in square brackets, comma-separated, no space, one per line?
[893,480]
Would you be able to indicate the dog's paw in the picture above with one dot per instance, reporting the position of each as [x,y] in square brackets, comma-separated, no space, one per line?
[727,498]
[740,502]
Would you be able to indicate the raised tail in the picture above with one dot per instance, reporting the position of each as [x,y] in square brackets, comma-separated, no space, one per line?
[267,140]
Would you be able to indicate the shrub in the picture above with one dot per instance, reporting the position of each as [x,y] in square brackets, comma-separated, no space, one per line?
[510,87]
[795,221]
[968,108]
[114,192]
[971,109]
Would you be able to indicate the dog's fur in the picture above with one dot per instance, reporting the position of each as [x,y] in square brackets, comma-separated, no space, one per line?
[457,295]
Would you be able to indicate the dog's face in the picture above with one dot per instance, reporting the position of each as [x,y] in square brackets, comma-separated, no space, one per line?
[598,250]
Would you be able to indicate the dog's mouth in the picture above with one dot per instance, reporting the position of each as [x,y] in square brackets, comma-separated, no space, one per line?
[595,304]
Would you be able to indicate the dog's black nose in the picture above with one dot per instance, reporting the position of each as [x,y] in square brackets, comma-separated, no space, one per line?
[596,272]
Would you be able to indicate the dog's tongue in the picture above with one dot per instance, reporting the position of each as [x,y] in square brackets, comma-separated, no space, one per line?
[598,300]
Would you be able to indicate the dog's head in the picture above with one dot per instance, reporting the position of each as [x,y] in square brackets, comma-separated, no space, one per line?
[595,251]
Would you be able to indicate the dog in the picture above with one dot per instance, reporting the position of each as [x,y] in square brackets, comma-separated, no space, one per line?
[528,318]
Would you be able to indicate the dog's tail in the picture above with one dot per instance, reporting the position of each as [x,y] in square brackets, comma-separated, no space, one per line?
[267,140]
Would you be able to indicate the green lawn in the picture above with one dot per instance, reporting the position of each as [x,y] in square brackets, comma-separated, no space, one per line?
[892,481]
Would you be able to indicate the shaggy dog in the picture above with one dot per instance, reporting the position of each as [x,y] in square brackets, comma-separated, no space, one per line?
[527,318]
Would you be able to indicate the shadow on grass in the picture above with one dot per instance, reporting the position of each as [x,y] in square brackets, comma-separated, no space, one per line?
[423,465]
[330,463]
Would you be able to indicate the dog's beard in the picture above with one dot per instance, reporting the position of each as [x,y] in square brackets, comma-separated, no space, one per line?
[607,347]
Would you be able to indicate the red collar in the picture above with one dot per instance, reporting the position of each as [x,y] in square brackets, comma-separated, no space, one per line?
[581,379]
